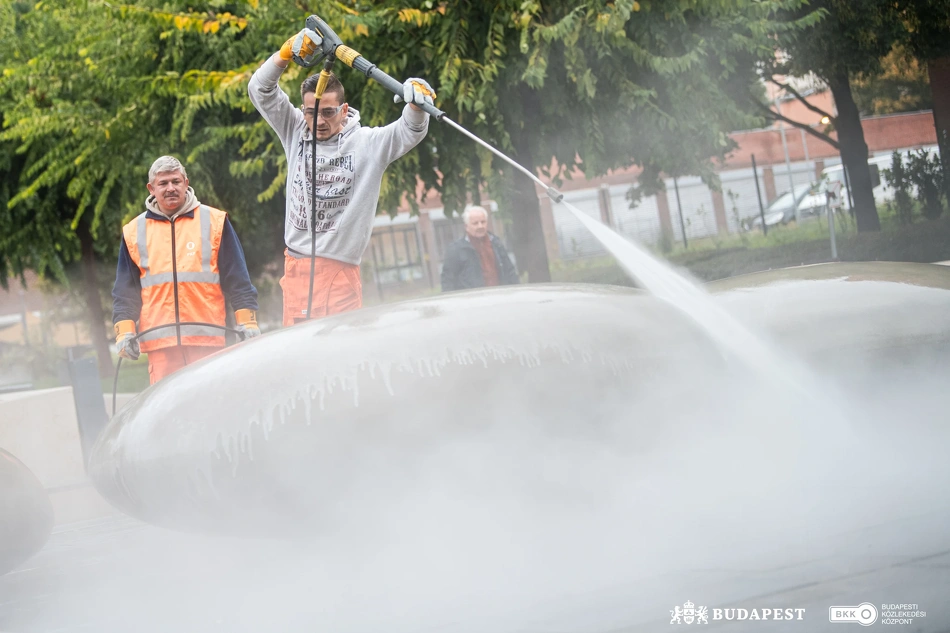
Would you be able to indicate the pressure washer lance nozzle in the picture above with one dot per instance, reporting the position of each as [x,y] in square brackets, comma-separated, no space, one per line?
[555,195]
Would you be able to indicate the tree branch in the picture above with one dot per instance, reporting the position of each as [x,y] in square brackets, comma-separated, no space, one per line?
[797,95]
[775,116]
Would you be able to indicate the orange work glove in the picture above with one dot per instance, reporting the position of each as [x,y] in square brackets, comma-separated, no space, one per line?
[247,323]
[125,342]
[304,44]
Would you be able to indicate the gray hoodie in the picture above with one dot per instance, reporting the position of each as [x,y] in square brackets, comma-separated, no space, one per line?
[350,170]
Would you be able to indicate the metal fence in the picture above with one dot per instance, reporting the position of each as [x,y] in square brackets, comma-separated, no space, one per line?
[642,222]
[396,255]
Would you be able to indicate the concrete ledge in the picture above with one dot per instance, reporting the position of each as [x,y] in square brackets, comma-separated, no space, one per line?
[40,429]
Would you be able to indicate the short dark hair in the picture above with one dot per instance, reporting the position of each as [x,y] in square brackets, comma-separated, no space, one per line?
[333,85]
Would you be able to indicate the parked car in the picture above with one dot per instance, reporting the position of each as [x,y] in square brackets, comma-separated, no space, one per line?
[814,203]
[882,192]
[782,209]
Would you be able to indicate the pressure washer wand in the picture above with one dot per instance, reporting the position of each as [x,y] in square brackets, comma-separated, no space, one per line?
[333,46]
[553,193]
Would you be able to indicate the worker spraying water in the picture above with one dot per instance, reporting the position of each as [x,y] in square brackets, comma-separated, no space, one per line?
[334,173]
[335,167]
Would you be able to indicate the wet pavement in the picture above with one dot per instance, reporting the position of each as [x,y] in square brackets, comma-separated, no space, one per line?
[118,574]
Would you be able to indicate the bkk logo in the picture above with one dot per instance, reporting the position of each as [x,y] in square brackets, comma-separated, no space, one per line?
[864,614]
[867,614]
[689,613]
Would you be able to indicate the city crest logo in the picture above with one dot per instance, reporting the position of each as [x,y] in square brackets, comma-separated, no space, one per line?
[689,613]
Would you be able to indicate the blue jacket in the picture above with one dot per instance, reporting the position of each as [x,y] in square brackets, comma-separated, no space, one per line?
[232,268]
[462,267]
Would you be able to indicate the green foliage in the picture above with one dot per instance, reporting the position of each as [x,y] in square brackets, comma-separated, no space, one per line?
[881,45]
[92,92]
[926,173]
[899,180]
[927,22]
[902,85]
[923,173]
[852,38]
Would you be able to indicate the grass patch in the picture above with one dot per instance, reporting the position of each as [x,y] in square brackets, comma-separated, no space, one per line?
[810,229]
[133,376]
[921,242]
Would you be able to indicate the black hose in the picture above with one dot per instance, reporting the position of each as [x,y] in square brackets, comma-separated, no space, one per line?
[313,206]
[115,379]
[115,384]
[327,66]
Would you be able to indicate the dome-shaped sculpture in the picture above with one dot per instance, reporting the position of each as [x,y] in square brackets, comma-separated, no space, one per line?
[278,435]
[26,516]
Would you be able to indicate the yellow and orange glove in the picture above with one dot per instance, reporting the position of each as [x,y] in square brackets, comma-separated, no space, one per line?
[125,342]
[416,91]
[304,45]
[247,323]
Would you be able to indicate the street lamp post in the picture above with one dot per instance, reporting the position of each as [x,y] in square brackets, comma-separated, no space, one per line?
[788,162]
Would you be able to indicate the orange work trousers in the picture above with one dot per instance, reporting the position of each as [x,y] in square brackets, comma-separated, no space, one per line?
[336,288]
[166,361]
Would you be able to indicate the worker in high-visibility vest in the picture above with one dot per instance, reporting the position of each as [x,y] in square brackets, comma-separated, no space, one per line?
[179,261]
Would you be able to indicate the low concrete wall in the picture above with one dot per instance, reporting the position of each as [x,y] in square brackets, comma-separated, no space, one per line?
[40,429]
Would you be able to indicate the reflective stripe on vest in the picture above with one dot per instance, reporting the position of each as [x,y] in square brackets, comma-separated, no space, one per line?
[198,289]
[166,331]
[143,245]
[205,240]
[183,278]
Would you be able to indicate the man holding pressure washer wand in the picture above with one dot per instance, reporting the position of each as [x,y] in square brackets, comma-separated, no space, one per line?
[179,261]
[333,180]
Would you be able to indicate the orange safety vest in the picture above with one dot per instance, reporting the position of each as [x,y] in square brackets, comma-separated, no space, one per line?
[178,261]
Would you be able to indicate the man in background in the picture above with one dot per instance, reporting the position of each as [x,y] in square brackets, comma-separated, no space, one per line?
[477,259]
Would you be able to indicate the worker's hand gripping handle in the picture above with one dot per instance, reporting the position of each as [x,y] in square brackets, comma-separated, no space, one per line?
[389,83]
[326,47]
[332,45]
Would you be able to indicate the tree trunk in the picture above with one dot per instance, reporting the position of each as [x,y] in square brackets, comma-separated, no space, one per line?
[854,153]
[527,231]
[939,71]
[96,317]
